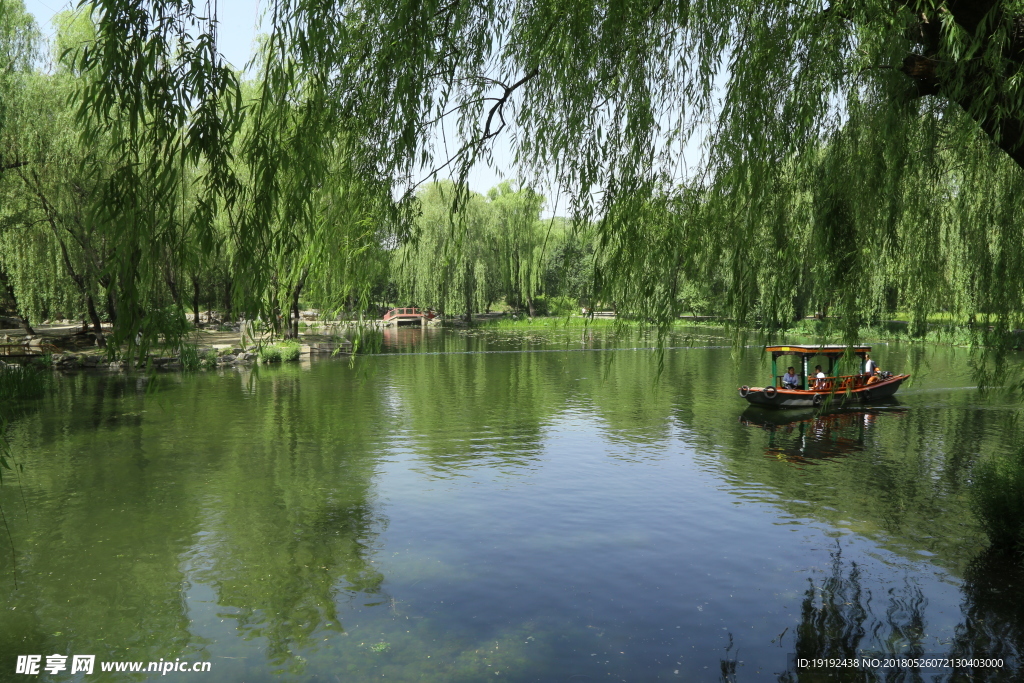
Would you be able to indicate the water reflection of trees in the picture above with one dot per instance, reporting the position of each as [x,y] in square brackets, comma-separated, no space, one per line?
[839,620]
[494,409]
[897,476]
[817,436]
[293,523]
[263,497]
[993,615]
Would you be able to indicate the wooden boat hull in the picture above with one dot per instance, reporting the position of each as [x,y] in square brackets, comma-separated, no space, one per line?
[799,398]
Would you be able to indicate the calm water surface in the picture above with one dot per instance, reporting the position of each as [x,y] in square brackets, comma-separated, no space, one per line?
[472,506]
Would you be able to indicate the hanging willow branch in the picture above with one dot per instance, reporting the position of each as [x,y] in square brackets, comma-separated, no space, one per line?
[859,157]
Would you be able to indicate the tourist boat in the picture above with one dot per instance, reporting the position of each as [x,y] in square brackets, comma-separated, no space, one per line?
[408,316]
[814,392]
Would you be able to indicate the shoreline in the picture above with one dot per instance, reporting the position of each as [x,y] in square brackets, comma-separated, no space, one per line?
[67,347]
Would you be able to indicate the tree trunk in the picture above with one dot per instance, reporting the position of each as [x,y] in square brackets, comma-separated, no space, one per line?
[79,280]
[17,308]
[227,300]
[111,306]
[293,322]
[97,324]
[979,20]
[468,292]
[195,301]
[172,285]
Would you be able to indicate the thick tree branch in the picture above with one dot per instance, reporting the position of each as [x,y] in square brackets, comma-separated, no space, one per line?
[969,82]
[12,165]
[500,104]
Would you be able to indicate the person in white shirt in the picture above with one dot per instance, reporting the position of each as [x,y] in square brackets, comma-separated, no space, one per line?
[790,379]
[819,377]
[869,365]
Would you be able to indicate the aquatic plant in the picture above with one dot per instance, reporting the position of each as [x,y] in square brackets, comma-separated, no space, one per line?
[193,359]
[361,339]
[189,356]
[997,497]
[19,382]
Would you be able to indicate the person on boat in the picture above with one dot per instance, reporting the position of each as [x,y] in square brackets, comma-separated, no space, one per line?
[819,378]
[869,365]
[790,380]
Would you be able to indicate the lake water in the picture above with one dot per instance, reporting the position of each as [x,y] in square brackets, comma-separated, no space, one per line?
[494,505]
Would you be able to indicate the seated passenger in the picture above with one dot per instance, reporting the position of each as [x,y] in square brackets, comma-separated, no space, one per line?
[790,379]
[819,378]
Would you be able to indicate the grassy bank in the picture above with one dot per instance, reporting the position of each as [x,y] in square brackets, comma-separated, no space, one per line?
[549,322]
[804,331]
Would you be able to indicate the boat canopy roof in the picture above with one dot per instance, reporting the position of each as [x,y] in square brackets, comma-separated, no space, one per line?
[833,350]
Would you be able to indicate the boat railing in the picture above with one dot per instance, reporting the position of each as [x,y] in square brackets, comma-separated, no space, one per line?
[838,382]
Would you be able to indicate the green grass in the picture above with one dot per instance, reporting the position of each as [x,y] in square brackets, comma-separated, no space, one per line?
[270,354]
[507,323]
[290,351]
[284,351]
[818,331]
[800,332]
[949,318]
[997,497]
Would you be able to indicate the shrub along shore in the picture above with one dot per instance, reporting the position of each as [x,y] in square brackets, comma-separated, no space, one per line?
[66,348]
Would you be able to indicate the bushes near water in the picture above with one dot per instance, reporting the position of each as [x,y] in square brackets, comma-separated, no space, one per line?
[556,305]
[282,351]
[290,351]
[997,496]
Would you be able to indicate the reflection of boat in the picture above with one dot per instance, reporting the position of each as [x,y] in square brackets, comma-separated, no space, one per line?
[408,316]
[834,387]
[817,437]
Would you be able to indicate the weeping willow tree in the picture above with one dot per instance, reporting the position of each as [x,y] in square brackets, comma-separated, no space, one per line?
[449,264]
[520,240]
[18,38]
[855,152]
[18,48]
[55,258]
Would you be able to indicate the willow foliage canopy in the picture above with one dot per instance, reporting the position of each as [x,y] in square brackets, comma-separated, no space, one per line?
[858,155]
